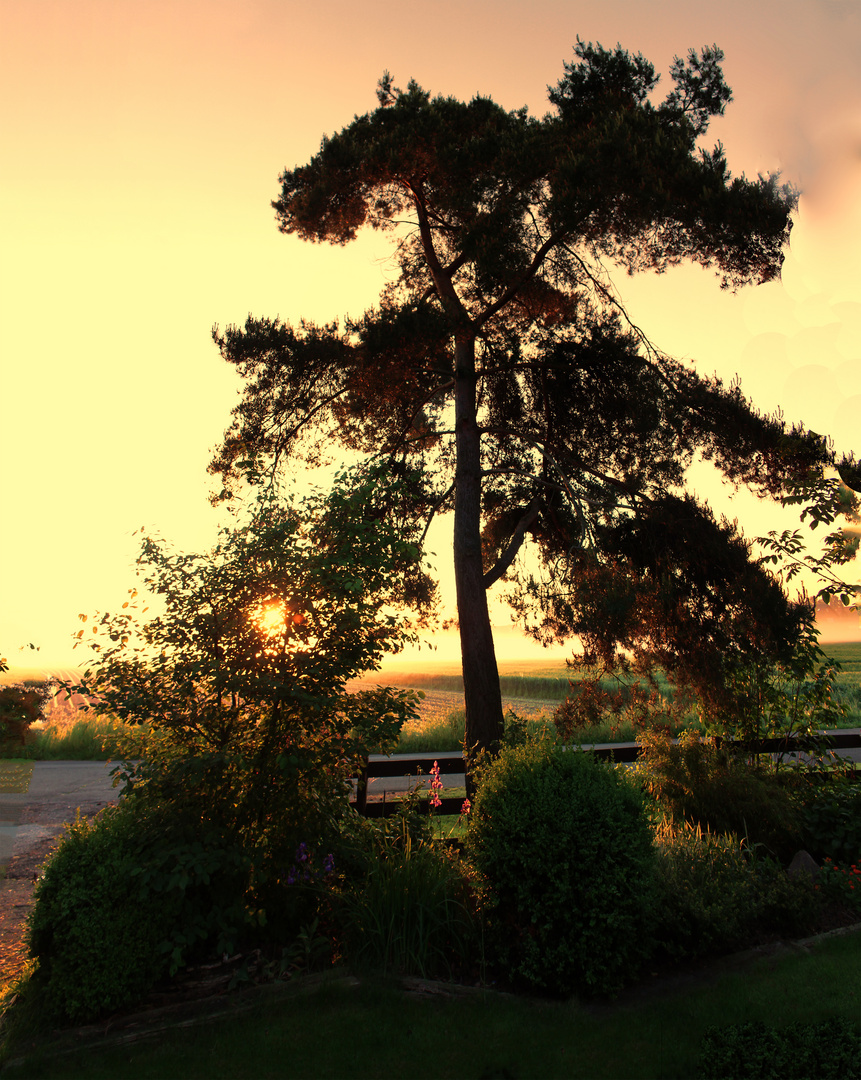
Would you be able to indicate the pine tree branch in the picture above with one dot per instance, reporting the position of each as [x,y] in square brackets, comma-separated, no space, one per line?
[514,545]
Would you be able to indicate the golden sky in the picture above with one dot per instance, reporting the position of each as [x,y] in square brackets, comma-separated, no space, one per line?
[141,145]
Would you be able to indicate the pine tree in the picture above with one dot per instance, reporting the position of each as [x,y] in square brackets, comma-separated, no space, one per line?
[499,373]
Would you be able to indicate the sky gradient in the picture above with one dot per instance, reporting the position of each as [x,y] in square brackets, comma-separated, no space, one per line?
[142,143]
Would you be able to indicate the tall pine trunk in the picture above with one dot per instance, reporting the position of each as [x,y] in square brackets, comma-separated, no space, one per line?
[482,694]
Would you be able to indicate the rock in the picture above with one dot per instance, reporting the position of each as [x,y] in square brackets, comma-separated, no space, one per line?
[803,863]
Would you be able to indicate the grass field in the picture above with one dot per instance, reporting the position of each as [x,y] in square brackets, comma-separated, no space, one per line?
[533,690]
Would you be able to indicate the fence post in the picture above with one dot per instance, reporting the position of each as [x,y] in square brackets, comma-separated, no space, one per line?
[362,788]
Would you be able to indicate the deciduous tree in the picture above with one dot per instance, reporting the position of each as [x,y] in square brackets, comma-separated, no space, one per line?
[242,676]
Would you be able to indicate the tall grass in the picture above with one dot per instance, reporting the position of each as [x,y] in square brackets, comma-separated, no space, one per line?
[408,914]
[69,732]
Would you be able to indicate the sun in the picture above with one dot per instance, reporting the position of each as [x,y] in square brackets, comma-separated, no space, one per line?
[273,617]
[270,617]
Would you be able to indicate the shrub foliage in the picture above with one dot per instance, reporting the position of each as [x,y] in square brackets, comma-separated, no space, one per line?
[252,740]
[564,862]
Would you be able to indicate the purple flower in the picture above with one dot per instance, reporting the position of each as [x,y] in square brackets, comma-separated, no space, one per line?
[302,852]
[329,864]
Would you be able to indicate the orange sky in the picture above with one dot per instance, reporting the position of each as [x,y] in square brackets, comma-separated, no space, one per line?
[142,140]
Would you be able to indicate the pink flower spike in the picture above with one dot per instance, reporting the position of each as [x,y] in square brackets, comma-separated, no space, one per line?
[436,786]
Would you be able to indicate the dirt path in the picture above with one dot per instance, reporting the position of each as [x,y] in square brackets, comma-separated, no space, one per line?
[40,821]
[16,900]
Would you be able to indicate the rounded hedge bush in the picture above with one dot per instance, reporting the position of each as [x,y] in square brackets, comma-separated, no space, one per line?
[127,899]
[96,942]
[565,869]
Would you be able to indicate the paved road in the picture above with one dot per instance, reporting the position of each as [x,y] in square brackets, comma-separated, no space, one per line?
[64,783]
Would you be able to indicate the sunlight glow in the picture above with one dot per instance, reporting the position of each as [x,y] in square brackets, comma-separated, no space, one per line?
[270,618]
[275,619]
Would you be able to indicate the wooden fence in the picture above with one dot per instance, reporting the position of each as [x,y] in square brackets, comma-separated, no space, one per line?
[407,765]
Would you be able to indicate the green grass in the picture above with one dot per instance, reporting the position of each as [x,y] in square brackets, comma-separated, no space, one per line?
[88,739]
[846,653]
[372,1029]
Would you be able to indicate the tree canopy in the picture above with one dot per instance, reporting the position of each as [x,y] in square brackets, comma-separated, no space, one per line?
[499,371]
[242,676]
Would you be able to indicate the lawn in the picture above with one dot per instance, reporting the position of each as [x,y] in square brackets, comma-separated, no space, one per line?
[365,1028]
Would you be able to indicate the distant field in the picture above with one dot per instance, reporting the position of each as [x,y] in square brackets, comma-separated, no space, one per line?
[533,688]
[846,653]
[540,687]
[38,674]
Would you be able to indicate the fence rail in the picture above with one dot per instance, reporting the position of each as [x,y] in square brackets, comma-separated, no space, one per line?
[406,765]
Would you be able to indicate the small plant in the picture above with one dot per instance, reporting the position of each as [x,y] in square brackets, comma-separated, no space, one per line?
[409,912]
[564,868]
[840,883]
[831,819]
[717,894]
[616,699]
[828,1050]
[695,780]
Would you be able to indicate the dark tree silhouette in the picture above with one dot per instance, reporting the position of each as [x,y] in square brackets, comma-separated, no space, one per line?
[500,374]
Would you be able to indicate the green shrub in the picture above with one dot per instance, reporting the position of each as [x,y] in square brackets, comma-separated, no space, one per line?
[841,884]
[828,1050]
[831,821]
[20,706]
[716,895]
[127,899]
[96,942]
[694,780]
[565,865]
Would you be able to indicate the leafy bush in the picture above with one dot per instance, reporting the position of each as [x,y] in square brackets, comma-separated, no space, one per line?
[248,742]
[760,697]
[828,1050]
[716,895]
[242,678]
[95,939]
[830,816]
[841,884]
[694,780]
[20,706]
[131,897]
[565,869]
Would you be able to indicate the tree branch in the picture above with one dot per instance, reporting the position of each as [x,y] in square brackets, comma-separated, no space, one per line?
[520,280]
[514,545]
